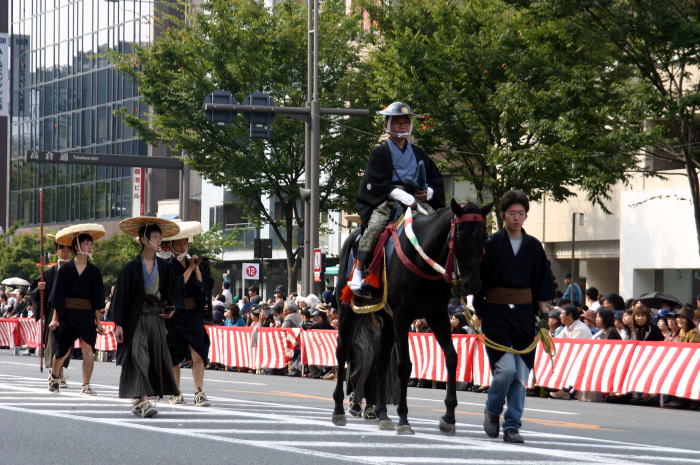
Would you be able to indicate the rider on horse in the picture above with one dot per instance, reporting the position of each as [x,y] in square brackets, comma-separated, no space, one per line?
[397,172]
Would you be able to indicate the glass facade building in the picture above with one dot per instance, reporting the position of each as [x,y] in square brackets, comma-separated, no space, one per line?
[64,93]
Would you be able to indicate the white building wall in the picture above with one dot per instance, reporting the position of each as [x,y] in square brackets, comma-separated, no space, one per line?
[211,196]
[659,233]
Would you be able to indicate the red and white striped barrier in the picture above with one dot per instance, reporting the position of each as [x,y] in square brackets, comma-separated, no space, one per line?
[318,347]
[9,333]
[589,365]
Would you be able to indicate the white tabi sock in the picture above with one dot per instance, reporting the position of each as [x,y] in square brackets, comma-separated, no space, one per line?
[356,281]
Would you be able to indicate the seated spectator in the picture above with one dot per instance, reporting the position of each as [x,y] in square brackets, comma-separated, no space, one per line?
[458,323]
[613,302]
[643,328]
[290,315]
[662,323]
[696,318]
[217,317]
[689,332]
[420,326]
[621,329]
[276,316]
[573,327]
[333,318]
[305,318]
[218,302]
[554,323]
[293,296]
[312,301]
[589,319]
[233,316]
[605,320]
[592,299]
[320,317]
[627,325]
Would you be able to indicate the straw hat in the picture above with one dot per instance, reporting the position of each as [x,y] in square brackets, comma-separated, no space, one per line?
[133,224]
[66,235]
[188,229]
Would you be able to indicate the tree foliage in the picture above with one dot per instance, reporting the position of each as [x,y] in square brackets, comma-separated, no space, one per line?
[243,47]
[19,255]
[111,255]
[509,101]
[660,41]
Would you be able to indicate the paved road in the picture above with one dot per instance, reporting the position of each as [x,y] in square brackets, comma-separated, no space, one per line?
[278,420]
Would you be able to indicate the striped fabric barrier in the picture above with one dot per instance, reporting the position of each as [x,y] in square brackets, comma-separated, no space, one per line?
[318,347]
[30,332]
[246,347]
[428,361]
[9,333]
[665,368]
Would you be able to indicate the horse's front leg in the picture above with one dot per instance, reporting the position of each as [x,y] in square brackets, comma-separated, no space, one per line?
[442,332]
[404,427]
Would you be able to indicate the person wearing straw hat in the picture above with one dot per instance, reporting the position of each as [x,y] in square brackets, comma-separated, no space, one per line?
[63,255]
[146,293]
[78,298]
[186,332]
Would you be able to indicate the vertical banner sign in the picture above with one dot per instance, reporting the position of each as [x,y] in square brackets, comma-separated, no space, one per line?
[317,265]
[251,271]
[19,67]
[4,76]
[138,204]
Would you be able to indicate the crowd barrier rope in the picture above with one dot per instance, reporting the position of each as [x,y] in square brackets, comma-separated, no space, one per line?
[615,367]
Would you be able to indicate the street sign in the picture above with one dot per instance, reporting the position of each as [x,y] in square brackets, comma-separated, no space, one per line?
[218,117]
[251,271]
[317,265]
[48,156]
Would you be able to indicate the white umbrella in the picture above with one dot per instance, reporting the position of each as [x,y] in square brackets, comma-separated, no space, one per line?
[15,282]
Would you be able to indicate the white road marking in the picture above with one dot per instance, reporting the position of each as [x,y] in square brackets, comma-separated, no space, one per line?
[556,451]
[558,412]
[209,380]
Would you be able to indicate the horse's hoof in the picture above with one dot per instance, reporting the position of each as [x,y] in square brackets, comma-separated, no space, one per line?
[404,430]
[386,425]
[446,428]
[339,419]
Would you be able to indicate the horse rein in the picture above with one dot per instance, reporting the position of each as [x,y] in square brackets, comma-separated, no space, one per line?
[443,273]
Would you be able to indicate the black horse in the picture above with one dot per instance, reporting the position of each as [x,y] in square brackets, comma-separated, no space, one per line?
[460,228]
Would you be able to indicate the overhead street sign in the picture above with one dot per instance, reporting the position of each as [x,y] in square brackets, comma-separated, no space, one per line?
[43,156]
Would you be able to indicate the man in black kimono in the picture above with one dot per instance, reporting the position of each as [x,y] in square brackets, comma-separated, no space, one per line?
[63,254]
[78,298]
[516,284]
[398,172]
[187,337]
[146,293]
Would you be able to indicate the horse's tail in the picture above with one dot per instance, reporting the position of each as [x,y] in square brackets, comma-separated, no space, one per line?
[363,340]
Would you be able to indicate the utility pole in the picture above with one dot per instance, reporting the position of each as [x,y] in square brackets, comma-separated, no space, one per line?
[573,248]
[311,115]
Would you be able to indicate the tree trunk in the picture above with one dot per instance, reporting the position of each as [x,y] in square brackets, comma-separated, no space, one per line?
[694,190]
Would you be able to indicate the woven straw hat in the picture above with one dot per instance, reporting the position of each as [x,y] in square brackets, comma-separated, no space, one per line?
[188,229]
[66,235]
[133,224]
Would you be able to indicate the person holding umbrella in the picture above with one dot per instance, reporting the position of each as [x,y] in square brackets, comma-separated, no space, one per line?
[78,299]
[146,292]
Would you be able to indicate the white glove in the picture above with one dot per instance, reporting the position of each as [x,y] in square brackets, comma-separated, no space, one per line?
[430,193]
[402,196]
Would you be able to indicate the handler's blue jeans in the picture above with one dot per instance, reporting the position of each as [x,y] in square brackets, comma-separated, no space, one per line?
[508,383]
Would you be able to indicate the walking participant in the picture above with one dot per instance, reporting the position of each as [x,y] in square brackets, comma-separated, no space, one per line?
[146,292]
[78,299]
[64,253]
[186,332]
[397,172]
[516,283]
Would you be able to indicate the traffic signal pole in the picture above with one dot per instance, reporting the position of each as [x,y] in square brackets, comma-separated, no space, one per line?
[311,115]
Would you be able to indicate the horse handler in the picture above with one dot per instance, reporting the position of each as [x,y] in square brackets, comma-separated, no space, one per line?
[397,172]
[78,298]
[516,283]
[146,292]
[186,327]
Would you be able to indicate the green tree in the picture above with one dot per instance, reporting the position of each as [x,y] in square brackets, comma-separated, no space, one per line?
[243,47]
[19,255]
[660,40]
[111,255]
[509,102]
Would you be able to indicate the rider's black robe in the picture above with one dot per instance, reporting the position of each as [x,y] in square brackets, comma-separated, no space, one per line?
[377,181]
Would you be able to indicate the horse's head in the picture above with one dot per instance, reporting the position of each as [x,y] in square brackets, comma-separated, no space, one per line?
[469,238]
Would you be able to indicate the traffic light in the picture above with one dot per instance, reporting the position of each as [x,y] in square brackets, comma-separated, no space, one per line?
[220,117]
[262,248]
[259,122]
